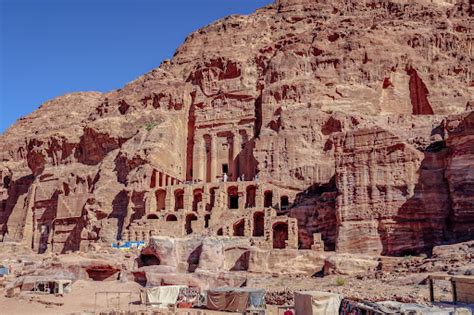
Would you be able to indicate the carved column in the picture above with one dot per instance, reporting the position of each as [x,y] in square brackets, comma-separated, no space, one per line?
[213,150]
[259,197]
[169,204]
[236,147]
[199,159]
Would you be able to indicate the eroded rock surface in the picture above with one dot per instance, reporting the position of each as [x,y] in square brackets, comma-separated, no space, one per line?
[352,119]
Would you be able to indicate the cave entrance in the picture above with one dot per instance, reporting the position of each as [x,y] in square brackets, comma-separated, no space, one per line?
[242,263]
[171,217]
[194,258]
[239,228]
[212,201]
[268,199]
[148,260]
[280,235]
[233,197]
[251,193]
[258,224]
[179,200]
[160,199]
[225,169]
[188,225]
[197,199]
[284,203]
[101,274]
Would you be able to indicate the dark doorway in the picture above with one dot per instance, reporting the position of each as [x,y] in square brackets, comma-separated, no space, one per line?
[212,192]
[233,198]
[179,200]
[171,217]
[239,228]
[284,203]
[148,260]
[268,199]
[233,202]
[258,224]
[197,199]
[225,168]
[188,225]
[280,235]
[242,264]
[251,193]
[160,199]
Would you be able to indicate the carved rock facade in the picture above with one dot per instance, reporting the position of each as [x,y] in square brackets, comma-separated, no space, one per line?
[339,125]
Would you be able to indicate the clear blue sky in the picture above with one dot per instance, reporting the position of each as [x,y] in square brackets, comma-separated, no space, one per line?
[52,47]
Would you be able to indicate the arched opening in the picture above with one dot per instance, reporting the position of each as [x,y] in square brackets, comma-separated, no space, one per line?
[239,228]
[160,195]
[268,199]
[188,225]
[280,235]
[212,201]
[197,199]
[284,203]
[258,224]
[152,217]
[99,274]
[220,232]
[193,259]
[209,157]
[251,193]
[178,199]
[171,217]
[207,218]
[6,182]
[148,260]
[242,263]
[233,193]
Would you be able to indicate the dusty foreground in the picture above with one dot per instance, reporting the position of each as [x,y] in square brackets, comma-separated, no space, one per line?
[82,299]
[400,279]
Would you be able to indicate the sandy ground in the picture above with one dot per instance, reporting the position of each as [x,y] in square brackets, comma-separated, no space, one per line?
[82,299]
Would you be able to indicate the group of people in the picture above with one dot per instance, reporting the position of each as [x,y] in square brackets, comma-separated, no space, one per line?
[241,178]
[225,179]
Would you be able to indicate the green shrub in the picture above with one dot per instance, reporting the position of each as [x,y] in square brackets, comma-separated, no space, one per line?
[150,125]
[340,281]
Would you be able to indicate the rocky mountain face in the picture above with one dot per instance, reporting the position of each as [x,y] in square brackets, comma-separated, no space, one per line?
[363,109]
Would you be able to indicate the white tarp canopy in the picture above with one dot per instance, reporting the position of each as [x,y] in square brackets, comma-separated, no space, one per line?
[317,303]
[164,295]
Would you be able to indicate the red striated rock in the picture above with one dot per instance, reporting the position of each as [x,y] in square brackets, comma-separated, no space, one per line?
[460,174]
[391,193]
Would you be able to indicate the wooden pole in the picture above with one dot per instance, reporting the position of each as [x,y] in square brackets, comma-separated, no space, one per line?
[431,290]
[455,293]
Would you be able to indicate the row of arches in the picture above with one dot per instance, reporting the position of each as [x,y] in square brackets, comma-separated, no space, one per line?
[279,229]
[188,220]
[233,198]
[251,194]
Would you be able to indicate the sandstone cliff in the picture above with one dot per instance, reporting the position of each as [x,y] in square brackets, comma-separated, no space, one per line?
[359,108]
